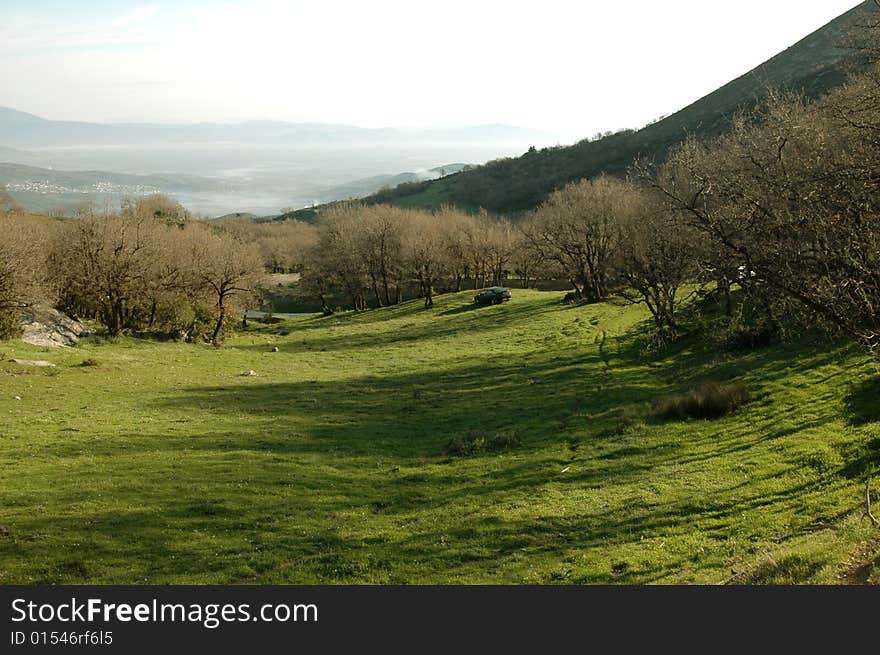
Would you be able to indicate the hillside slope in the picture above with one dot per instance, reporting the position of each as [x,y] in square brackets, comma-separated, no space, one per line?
[812,66]
[161,463]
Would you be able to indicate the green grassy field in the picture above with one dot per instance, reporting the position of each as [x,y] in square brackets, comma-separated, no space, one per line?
[163,464]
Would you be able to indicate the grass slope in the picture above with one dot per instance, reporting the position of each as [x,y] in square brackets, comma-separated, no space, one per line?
[162,464]
[812,67]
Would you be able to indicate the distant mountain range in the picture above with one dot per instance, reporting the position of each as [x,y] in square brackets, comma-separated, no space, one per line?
[258,167]
[22,130]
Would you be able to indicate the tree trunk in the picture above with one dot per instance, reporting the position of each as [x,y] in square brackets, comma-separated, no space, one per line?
[376,293]
[219,326]
[724,288]
[325,310]
[385,286]
[114,316]
[152,315]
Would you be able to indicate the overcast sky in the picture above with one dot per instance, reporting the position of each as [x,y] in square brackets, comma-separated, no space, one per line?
[568,66]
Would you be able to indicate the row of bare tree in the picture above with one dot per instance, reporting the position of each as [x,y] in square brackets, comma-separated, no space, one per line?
[378,255]
[778,218]
[151,267]
[598,235]
[787,206]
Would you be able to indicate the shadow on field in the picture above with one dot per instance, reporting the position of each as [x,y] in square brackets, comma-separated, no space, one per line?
[493,539]
[255,484]
[349,481]
[464,309]
[262,533]
[415,415]
[543,400]
[863,403]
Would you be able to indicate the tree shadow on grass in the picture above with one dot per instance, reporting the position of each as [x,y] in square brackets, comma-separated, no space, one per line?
[412,415]
[543,400]
[259,540]
[267,434]
[463,309]
[863,403]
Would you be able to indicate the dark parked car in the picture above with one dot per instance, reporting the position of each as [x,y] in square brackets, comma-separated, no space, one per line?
[493,296]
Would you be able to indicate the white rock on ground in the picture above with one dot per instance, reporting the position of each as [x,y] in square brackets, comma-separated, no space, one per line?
[32,362]
[49,328]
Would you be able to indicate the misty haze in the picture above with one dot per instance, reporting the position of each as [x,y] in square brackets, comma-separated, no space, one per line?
[257,167]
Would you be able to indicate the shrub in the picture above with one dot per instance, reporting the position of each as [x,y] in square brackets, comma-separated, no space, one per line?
[472,443]
[91,361]
[10,324]
[712,400]
[201,324]
[741,336]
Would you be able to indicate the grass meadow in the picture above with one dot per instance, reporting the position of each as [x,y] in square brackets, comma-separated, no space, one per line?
[340,461]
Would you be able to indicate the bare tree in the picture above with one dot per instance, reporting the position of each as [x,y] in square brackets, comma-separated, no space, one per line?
[226,267]
[501,241]
[341,257]
[425,254]
[456,244]
[104,264]
[156,206]
[526,259]
[23,278]
[577,229]
[791,197]
[378,233]
[659,256]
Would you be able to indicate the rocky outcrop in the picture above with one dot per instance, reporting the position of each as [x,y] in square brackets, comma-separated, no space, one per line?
[49,328]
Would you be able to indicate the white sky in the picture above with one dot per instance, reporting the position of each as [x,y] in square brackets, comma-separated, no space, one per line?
[573,68]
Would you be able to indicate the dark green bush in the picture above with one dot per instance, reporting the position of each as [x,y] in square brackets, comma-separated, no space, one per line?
[10,324]
[473,443]
[739,336]
[712,400]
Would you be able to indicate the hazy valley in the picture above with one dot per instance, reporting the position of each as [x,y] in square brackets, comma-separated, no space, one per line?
[260,168]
